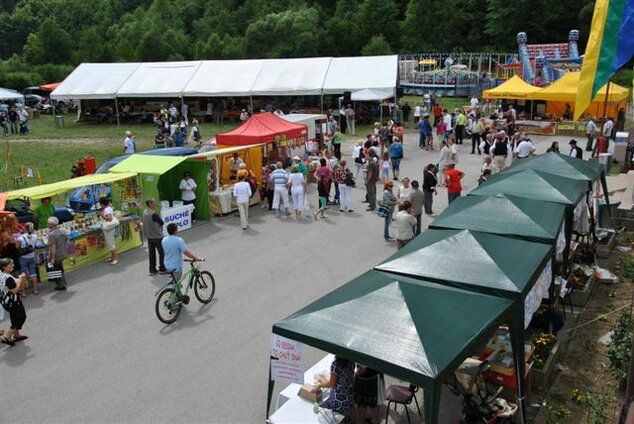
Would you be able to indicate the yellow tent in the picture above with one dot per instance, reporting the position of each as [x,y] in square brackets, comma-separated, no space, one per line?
[564,90]
[50,190]
[514,88]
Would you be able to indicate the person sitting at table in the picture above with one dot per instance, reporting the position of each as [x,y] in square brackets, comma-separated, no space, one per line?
[234,165]
[341,397]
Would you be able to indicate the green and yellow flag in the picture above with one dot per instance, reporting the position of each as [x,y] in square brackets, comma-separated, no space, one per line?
[610,46]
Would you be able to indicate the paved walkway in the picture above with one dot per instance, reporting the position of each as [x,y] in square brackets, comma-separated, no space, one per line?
[97,353]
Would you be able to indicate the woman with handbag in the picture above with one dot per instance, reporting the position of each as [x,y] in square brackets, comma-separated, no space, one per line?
[108,227]
[27,256]
[11,301]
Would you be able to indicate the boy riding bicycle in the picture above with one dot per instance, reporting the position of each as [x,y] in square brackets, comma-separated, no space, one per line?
[174,248]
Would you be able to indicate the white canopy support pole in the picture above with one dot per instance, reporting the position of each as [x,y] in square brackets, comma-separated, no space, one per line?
[116,109]
[322,102]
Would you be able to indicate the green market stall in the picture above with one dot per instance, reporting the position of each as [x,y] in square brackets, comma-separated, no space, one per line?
[540,186]
[488,264]
[86,240]
[160,176]
[401,326]
[505,215]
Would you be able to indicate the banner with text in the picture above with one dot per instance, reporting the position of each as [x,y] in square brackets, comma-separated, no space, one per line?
[286,360]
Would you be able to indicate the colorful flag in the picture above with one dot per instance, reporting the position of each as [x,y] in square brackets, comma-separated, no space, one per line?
[610,46]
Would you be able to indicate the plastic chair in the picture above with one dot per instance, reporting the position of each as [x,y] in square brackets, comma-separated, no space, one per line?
[401,395]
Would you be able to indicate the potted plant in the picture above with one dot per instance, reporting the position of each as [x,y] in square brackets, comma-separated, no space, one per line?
[582,283]
[544,358]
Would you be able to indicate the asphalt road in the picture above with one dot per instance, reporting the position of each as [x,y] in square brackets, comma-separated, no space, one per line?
[97,353]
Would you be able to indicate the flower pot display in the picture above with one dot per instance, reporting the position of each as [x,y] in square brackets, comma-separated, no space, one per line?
[544,359]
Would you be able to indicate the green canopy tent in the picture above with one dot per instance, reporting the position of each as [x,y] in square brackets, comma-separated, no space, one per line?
[401,326]
[538,185]
[504,215]
[568,167]
[488,264]
[558,164]
[160,176]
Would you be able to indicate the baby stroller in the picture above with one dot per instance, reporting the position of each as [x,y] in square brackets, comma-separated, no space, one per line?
[480,401]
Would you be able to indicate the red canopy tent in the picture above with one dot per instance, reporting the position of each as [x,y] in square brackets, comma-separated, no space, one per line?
[49,87]
[262,128]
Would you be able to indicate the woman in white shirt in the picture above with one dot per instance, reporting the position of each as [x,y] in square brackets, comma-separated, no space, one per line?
[107,214]
[188,190]
[242,193]
[297,184]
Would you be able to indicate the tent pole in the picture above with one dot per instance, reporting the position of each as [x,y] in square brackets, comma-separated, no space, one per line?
[432,404]
[270,392]
[605,103]
[517,341]
[116,109]
[322,102]
[568,235]
[251,102]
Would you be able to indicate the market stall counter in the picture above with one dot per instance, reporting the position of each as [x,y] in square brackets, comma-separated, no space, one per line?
[223,165]
[166,178]
[86,239]
[86,243]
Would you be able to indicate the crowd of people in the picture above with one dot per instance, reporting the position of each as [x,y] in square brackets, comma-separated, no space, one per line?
[15,121]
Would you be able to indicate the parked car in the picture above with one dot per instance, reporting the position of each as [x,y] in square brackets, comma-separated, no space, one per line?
[86,198]
[24,213]
[32,100]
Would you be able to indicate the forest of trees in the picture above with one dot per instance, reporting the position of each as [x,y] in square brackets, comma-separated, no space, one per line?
[43,40]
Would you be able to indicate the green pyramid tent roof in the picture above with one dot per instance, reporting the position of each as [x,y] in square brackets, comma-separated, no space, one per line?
[536,185]
[398,325]
[504,215]
[488,263]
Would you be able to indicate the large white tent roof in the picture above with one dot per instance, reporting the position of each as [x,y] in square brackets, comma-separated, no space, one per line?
[159,79]
[359,73]
[292,76]
[94,81]
[220,78]
[6,94]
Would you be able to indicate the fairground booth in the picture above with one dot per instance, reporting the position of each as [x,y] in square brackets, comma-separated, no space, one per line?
[278,135]
[161,177]
[425,318]
[221,176]
[87,243]
[542,110]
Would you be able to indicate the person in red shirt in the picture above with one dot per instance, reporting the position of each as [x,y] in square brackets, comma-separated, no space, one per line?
[437,114]
[454,187]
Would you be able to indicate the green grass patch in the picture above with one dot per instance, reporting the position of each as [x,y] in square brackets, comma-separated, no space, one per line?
[449,103]
[53,151]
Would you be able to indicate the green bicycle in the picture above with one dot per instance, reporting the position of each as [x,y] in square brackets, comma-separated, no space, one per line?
[170,298]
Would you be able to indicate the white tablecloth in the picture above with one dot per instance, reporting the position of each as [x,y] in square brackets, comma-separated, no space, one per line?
[292,409]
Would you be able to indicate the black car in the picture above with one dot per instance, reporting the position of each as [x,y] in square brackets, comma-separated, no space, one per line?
[24,213]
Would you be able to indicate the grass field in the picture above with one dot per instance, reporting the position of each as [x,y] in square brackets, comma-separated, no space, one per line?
[52,151]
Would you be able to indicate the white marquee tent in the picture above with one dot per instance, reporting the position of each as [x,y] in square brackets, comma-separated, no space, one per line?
[159,79]
[6,94]
[221,78]
[292,76]
[95,81]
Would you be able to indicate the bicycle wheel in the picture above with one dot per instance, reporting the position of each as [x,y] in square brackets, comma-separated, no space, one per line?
[168,306]
[204,287]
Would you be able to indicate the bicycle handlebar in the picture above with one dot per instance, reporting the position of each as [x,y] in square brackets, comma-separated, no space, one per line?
[195,260]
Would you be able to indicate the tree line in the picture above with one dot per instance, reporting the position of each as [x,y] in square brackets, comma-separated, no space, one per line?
[43,40]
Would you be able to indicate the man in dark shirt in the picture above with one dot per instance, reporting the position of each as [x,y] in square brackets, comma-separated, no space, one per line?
[371,176]
[153,231]
[13,121]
